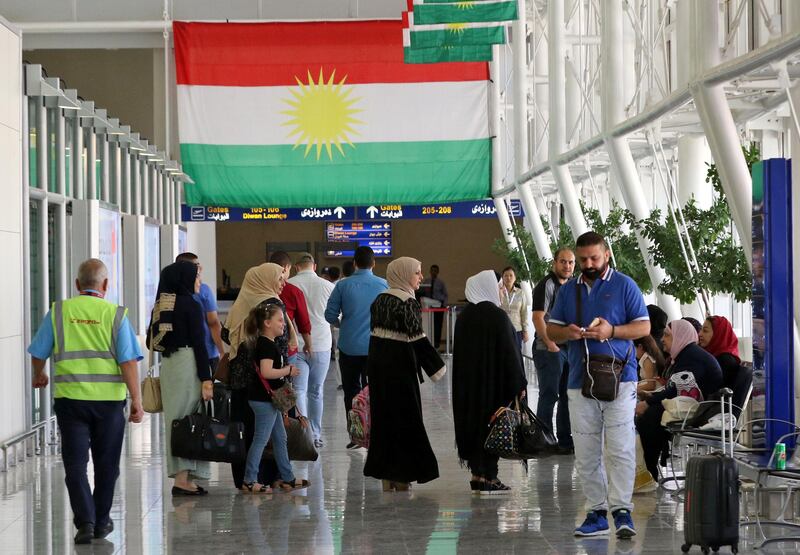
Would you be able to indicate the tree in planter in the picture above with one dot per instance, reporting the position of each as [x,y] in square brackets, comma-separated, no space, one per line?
[627,255]
[722,264]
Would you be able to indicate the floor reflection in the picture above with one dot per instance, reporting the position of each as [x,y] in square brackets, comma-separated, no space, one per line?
[341,513]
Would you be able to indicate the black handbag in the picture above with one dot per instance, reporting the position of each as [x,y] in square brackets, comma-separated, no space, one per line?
[203,437]
[299,442]
[534,438]
[603,373]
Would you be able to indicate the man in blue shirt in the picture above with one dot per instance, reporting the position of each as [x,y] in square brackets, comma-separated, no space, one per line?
[205,298]
[612,314]
[352,298]
[95,357]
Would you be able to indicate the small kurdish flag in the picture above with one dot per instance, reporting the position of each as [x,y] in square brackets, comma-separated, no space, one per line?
[448,47]
[326,113]
[453,34]
[432,13]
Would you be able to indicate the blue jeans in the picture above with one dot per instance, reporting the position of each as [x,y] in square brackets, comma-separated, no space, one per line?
[552,371]
[308,386]
[268,424]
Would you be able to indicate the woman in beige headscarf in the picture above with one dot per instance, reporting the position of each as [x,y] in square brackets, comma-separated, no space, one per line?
[399,450]
[262,287]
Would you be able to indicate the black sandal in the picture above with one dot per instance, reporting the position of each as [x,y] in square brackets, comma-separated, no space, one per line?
[251,487]
[294,484]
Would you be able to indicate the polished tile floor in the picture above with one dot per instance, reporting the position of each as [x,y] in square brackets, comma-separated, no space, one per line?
[342,512]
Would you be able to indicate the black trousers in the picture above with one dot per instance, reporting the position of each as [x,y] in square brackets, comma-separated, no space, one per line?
[354,377]
[97,427]
[241,412]
[654,437]
[484,465]
[438,319]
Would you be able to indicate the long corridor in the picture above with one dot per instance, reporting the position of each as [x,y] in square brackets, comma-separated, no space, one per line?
[342,511]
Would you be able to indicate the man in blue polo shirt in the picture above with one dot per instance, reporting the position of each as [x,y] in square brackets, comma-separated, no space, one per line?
[612,314]
[352,298]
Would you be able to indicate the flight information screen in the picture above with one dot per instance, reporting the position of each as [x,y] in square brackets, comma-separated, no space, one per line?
[376,235]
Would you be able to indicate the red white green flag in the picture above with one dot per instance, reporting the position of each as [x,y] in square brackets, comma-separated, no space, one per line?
[326,113]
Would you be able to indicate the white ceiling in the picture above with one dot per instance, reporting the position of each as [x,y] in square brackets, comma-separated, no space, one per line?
[86,11]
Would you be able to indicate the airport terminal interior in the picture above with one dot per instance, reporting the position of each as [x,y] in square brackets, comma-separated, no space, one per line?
[439,140]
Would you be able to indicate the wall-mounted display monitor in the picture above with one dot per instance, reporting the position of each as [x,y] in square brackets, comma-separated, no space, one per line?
[376,235]
[110,252]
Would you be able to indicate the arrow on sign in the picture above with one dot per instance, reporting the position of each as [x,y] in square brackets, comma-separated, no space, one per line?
[386,226]
[339,211]
[387,242]
[372,211]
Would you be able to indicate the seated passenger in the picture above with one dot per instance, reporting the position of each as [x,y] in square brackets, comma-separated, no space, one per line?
[694,322]
[718,338]
[651,365]
[680,340]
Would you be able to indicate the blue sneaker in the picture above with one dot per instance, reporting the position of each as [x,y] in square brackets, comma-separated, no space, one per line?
[624,524]
[594,525]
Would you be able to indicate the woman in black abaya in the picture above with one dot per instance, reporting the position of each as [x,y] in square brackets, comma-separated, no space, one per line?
[399,450]
[487,374]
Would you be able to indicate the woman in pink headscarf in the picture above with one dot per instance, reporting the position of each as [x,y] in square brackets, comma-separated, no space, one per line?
[680,340]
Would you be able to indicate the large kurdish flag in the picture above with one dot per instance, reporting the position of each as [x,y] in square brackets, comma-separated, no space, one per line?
[326,113]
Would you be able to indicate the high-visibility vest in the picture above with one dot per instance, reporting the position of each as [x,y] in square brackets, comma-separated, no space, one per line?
[86,330]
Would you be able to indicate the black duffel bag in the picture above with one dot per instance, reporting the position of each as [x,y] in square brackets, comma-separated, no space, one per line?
[203,437]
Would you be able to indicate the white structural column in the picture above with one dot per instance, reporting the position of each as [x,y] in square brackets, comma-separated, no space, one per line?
[127,180]
[144,188]
[521,151]
[497,164]
[720,129]
[77,160]
[117,155]
[62,280]
[177,200]
[105,173]
[42,167]
[91,164]
[136,189]
[557,126]
[618,149]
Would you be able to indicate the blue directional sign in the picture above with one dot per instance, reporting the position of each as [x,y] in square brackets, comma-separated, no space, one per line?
[390,212]
[376,235]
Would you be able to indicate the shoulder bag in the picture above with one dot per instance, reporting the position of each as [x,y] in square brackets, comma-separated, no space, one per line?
[603,372]
[151,385]
[283,398]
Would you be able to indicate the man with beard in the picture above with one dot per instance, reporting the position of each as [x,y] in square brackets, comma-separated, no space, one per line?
[600,313]
[552,368]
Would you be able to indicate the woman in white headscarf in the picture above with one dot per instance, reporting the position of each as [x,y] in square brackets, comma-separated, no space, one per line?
[399,353]
[487,374]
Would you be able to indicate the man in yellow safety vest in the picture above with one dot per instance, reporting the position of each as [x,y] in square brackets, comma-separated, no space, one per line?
[95,357]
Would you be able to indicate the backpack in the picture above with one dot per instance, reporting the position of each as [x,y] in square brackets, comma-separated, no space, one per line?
[358,419]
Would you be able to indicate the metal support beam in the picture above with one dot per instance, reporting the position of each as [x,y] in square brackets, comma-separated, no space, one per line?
[521,150]
[622,163]
[557,125]
[717,120]
[497,152]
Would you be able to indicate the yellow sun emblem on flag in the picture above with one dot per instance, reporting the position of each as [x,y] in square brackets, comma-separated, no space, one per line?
[322,114]
[465,5]
[456,28]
